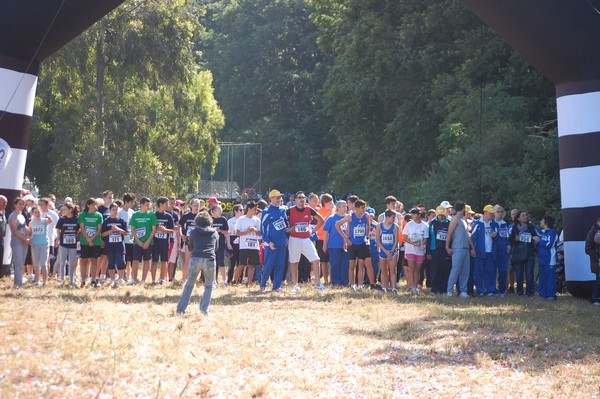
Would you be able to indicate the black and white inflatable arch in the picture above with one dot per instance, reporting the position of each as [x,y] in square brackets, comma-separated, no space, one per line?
[31,31]
[561,39]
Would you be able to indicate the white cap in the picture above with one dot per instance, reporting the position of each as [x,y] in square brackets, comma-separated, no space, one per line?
[445,204]
[68,199]
[29,197]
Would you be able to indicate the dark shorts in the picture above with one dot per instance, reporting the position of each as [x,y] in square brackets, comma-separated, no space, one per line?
[116,260]
[249,257]
[323,256]
[139,253]
[361,251]
[160,254]
[88,252]
[128,252]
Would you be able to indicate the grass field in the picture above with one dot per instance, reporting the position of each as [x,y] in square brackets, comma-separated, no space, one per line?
[128,343]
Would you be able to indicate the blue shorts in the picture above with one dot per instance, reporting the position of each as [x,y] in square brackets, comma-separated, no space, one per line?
[382,254]
[160,254]
[116,260]
[140,253]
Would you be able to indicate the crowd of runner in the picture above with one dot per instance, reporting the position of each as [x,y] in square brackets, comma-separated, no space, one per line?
[332,243]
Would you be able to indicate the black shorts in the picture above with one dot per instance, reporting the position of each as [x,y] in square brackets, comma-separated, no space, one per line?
[361,251]
[140,253]
[88,252]
[128,253]
[323,256]
[160,254]
[249,257]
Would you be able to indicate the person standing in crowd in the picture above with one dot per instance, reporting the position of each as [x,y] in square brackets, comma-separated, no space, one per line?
[334,246]
[90,228]
[458,244]
[300,218]
[143,228]
[20,240]
[247,228]
[386,238]
[325,210]
[523,238]
[160,250]
[484,235]
[547,258]
[67,228]
[173,238]
[186,223]
[125,213]
[274,223]
[113,230]
[220,224]
[47,209]
[511,271]
[3,203]
[502,249]
[416,234]
[38,226]
[237,212]
[202,242]
[356,242]
[592,249]
[440,261]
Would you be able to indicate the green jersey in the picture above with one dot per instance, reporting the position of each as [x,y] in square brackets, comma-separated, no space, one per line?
[90,227]
[142,224]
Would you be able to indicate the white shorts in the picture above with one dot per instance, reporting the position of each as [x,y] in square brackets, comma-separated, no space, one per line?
[174,251]
[302,246]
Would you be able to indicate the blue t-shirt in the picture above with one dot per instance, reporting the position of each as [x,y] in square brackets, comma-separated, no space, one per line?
[161,239]
[335,239]
[39,235]
[68,231]
[114,242]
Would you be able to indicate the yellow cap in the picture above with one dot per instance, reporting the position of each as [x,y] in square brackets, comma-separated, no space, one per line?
[440,210]
[468,209]
[275,193]
[489,208]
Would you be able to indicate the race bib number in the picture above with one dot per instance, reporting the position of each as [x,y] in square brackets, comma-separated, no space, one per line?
[140,231]
[69,239]
[39,230]
[503,232]
[90,231]
[301,227]
[115,238]
[372,234]
[416,239]
[525,237]
[359,231]
[279,224]
[441,235]
[252,242]
[387,239]
[488,231]
[161,235]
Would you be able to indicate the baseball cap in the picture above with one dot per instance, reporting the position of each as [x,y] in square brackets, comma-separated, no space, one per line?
[468,209]
[179,202]
[29,197]
[370,211]
[489,208]
[213,200]
[275,193]
[440,210]
[446,204]
[68,199]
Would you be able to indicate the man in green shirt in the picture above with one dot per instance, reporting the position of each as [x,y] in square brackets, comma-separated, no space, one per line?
[143,227]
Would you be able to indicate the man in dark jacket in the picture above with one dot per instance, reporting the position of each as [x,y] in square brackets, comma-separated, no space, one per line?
[592,248]
[202,243]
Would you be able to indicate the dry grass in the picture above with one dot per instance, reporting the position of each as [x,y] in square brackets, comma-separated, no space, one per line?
[127,343]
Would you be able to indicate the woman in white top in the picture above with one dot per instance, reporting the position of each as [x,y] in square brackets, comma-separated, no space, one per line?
[416,233]
[247,228]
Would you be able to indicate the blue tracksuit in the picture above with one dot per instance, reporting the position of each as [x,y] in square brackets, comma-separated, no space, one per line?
[273,229]
[547,263]
[485,267]
[502,255]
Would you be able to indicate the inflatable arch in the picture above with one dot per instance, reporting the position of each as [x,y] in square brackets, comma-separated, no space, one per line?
[559,38]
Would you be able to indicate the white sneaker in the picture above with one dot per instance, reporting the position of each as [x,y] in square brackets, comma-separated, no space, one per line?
[113,284]
[448,294]
[121,281]
[360,287]
[353,287]
[384,289]
[132,282]
[464,295]
[415,291]
[296,288]
[320,287]
[214,284]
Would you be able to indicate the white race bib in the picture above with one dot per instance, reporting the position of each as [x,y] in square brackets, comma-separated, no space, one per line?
[252,242]
[301,227]
[115,238]
[140,231]
[387,239]
[69,239]
[279,224]
[503,232]
[441,235]
[39,230]
[161,235]
[525,237]
[90,231]
[359,231]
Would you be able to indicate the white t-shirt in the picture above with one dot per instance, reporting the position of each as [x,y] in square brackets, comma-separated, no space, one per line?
[51,229]
[126,216]
[231,223]
[417,232]
[248,241]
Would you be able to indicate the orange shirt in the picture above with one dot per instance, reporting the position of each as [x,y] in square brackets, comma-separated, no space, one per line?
[323,211]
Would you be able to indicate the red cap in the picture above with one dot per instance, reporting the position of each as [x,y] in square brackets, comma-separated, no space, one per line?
[213,200]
